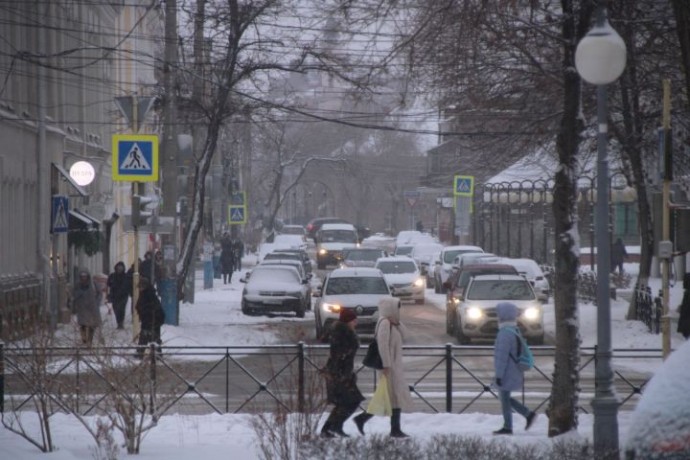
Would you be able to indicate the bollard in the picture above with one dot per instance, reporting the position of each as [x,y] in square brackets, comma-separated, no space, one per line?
[449,377]
[300,377]
[152,376]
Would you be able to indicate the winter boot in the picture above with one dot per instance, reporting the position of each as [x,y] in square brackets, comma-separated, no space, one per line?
[326,430]
[396,432]
[361,419]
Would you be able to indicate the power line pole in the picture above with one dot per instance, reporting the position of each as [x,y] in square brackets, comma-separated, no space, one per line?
[666,219]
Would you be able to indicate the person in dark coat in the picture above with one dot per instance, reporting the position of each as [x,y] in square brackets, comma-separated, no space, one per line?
[151,315]
[341,380]
[119,290]
[238,248]
[227,263]
[85,305]
[618,256]
[509,377]
[684,309]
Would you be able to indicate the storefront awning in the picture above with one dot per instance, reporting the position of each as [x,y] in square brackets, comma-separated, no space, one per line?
[80,221]
[69,179]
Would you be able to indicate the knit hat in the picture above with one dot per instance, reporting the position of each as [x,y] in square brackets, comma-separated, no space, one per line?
[347,315]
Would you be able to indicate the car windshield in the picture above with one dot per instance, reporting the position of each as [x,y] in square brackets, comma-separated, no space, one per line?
[500,290]
[465,275]
[449,256]
[363,255]
[403,250]
[340,236]
[427,249]
[357,285]
[272,275]
[397,267]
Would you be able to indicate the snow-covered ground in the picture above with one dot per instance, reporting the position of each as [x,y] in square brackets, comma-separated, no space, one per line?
[215,319]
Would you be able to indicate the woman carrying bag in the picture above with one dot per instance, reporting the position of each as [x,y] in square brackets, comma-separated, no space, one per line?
[392,394]
[341,380]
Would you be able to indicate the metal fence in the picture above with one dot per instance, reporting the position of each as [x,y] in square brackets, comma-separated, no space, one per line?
[649,309]
[240,379]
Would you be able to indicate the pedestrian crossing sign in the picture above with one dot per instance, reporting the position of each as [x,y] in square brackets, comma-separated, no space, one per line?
[59,222]
[237,215]
[135,157]
[463,186]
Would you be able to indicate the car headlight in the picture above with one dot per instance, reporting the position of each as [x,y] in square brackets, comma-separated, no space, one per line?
[323,251]
[474,313]
[332,307]
[456,300]
[531,313]
[419,282]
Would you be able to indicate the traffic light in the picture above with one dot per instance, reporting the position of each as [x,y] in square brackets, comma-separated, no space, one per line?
[141,209]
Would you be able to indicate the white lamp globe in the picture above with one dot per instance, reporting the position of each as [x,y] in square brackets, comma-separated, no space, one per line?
[82,172]
[600,56]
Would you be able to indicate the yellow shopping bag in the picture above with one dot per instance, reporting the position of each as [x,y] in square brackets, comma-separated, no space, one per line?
[380,403]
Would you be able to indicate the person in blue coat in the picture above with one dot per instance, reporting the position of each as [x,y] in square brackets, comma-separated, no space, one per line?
[509,377]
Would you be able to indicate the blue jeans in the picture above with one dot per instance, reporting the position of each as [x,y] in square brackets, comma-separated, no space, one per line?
[507,406]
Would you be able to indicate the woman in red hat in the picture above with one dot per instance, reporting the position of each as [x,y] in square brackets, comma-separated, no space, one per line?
[341,380]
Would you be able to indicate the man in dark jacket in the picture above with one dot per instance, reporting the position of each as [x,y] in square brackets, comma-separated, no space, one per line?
[151,315]
[341,380]
[119,290]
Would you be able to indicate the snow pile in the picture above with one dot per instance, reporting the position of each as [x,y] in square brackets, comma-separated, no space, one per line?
[660,426]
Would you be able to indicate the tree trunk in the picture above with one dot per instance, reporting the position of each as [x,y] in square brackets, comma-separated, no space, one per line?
[562,409]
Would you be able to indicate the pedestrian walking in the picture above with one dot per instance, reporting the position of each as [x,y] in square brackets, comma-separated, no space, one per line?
[238,247]
[684,309]
[227,263]
[119,290]
[151,315]
[390,333]
[341,380]
[618,256]
[85,305]
[509,377]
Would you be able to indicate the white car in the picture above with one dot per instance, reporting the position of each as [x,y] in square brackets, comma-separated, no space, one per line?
[476,316]
[273,288]
[444,264]
[289,241]
[425,254]
[331,241]
[533,273]
[354,288]
[403,276]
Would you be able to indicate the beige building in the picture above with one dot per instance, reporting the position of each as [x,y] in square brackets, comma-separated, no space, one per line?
[62,63]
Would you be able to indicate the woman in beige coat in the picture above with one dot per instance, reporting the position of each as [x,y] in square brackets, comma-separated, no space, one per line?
[390,333]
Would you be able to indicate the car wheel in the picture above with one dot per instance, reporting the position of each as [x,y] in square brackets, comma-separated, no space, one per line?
[460,336]
[430,282]
[245,310]
[419,301]
[437,287]
[321,266]
[299,312]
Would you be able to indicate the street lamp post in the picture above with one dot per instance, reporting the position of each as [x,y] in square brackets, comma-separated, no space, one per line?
[600,59]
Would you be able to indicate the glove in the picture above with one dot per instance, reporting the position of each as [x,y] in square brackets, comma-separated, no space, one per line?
[498,381]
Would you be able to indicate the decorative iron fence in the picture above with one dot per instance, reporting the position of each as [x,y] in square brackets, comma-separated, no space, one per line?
[649,309]
[238,379]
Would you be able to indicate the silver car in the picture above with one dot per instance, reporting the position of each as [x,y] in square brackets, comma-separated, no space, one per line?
[274,289]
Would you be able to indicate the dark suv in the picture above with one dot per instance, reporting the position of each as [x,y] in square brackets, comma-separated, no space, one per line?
[457,283]
[315,224]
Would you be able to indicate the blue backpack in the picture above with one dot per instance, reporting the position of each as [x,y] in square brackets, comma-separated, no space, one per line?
[525,359]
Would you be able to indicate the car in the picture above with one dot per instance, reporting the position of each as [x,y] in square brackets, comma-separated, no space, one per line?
[331,241]
[403,276]
[380,241]
[315,224]
[306,277]
[354,288]
[292,230]
[469,258]
[274,289]
[457,283]
[404,250]
[476,316]
[362,257]
[425,254]
[289,241]
[303,256]
[533,273]
[444,264]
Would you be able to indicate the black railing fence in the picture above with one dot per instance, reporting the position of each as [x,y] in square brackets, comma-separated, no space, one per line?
[242,379]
